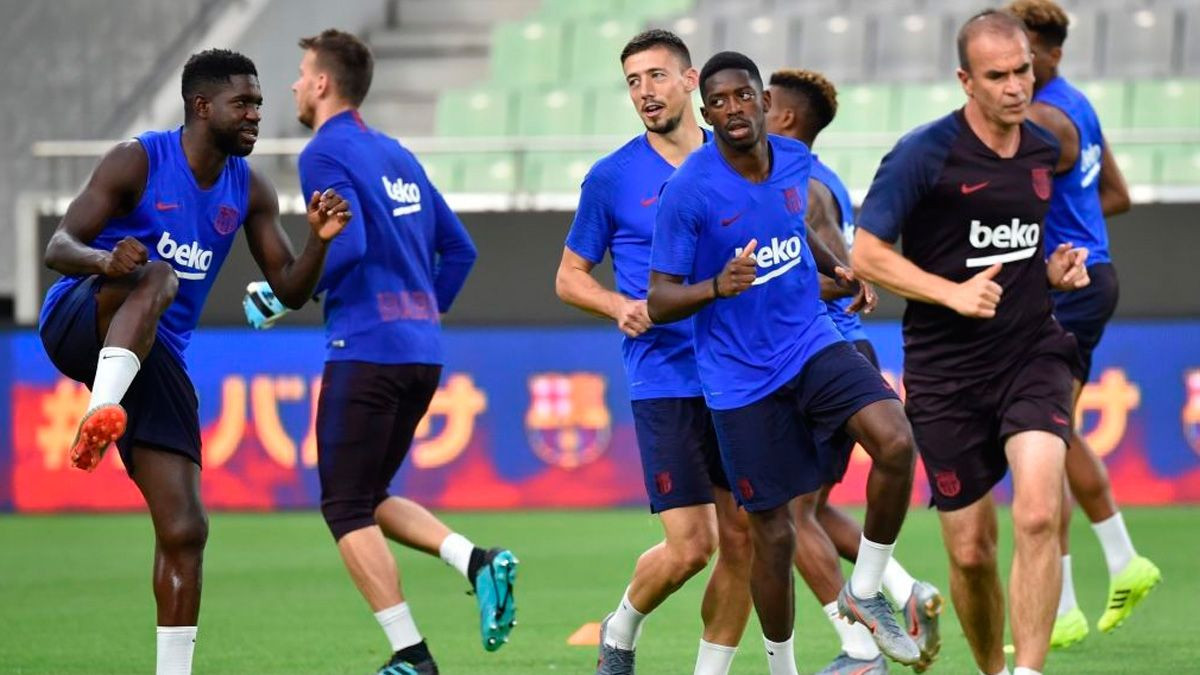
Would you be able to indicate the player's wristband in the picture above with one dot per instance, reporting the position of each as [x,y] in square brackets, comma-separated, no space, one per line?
[716,288]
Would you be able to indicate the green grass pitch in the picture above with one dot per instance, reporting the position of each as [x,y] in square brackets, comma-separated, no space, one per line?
[75,597]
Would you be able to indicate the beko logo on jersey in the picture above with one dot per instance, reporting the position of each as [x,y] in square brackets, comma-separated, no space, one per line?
[1017,235]
[407,194]
[782,255]
[187,255]
[1089,164]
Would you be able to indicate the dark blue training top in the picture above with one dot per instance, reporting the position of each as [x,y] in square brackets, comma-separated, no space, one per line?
[179,222]
[403,256]
[616,213]
[849,325]
[959,208]
[748,346]
[1075,215]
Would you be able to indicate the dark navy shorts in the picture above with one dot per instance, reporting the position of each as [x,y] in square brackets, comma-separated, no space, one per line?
[789,442]
[962,424]
[1086,312]
[367,414]
[680,459]
[161,403]
[836,459]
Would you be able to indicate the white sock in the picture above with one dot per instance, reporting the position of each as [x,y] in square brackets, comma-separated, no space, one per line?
[115,369]
[625,627]
[1114,539]
[456,551]
[397,623]
[714,659]
[898,582]
[1022,670]
[856,639]
[781,657]
[867,578]
[1066,598]
[175,646]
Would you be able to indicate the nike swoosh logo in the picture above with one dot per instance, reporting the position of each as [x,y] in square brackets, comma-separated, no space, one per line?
[165,206]
[968,189]
[649,200]
[725,222]
[1057,419]
[109,356]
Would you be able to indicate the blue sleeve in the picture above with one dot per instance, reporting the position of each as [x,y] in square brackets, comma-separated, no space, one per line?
[319,172]
[592,230]
[677,226]
[904,177]
[456,252]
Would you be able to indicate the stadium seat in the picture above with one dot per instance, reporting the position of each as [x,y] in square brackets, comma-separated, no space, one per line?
[1191,41]
[1166,104]
[550,112]
[649,9]
[1079,51]
[1180,165]
[865,108]
[764,38]
[909,47]
[834,45]
[855,166]
[557,10]
[488,172]
[612,113]
[1139,42]
[697,31]
[474,112]
[923,103]
[596,49]
[444,170]
[1110,99]
[527,52]
[1138,164]
[557,171]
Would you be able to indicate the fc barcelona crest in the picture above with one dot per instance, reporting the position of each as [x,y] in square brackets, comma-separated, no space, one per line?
[1042,183]
[793,200]
[568,422]
[227,220]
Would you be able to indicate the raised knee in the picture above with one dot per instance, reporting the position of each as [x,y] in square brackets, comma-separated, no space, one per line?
[184,534]
[974,556]
[896,450]
[161,277]
[1035,520]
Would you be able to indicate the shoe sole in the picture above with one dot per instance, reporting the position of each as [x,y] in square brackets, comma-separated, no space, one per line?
[1069,642]
[504,574]
[98,429]
[932,609]
[1135,599]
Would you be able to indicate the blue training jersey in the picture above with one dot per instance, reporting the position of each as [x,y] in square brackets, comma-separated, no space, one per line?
[402,258]
[1075,214]
[616,213]
[748,346]
[849,325]
[180,223]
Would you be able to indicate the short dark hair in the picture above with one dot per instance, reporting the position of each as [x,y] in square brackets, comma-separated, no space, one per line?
[657,37]
[348,60]
[213,67]
[815,88]
[728,61]
[1043,17]
[990,21]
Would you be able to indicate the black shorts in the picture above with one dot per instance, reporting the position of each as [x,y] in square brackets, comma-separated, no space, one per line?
[1087,311]
[789,443]
[161,405]
[680,459]
[961,425]
[367,415]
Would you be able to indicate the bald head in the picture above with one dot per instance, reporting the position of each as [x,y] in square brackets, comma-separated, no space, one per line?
[992,22]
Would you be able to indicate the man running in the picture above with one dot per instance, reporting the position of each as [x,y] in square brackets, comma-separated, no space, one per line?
[681,464]
[1088,187]
[987,368]
[139,249]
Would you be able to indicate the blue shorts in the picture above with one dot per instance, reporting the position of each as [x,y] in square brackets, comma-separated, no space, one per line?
[790,442]
[680,459]
[1086,312]
[161,404]
[836,459]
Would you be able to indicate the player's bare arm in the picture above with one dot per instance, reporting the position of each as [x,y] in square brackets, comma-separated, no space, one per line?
[876,261]
[833,266]
[113,190]
[292,278]
[576,286]
[671,298]
[1114,193]
[1057,123]
[821,219]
